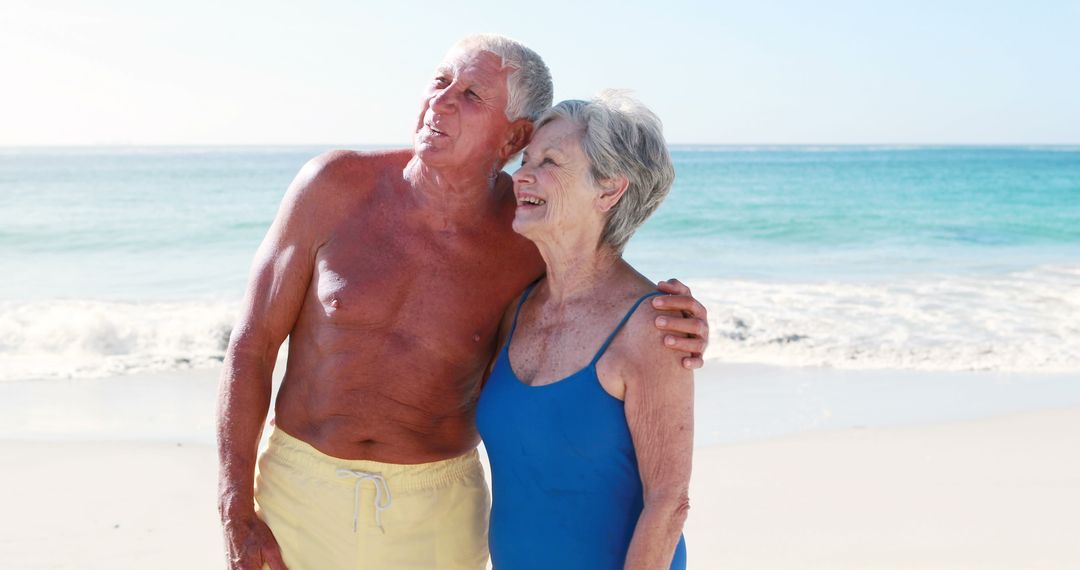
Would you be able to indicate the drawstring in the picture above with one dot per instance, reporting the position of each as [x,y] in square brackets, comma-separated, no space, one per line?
[380,488]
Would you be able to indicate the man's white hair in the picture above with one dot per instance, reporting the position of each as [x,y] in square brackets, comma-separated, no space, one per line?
[529,90]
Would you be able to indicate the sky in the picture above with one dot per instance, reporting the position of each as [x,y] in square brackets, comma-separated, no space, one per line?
[204,72]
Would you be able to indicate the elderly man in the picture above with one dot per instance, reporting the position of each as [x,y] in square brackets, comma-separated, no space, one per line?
[388,272]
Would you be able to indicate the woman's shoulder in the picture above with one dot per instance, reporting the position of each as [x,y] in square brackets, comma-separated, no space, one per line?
[638,350]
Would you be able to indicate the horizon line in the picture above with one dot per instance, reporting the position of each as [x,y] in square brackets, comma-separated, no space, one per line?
[406,145]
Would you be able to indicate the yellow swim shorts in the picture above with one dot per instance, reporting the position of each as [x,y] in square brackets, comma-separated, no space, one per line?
[329,513]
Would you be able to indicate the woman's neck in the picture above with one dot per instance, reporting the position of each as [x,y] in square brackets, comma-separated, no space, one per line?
[576,267]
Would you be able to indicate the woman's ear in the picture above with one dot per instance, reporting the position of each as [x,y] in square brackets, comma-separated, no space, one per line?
[611,191]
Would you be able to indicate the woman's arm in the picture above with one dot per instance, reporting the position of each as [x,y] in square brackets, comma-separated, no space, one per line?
[659,405]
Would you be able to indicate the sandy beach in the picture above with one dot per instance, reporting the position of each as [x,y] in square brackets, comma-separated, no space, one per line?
[875,203]
[997,491]
[108,505]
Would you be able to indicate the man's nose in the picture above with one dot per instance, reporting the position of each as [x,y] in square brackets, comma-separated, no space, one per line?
[442,101]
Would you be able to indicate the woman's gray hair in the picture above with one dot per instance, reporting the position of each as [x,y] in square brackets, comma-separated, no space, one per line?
[529,90]
[620,136]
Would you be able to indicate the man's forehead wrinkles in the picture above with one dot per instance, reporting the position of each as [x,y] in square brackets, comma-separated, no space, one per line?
[448,68]
[469,73]
[485,61]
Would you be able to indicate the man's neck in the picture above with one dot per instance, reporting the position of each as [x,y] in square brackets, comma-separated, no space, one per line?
[454,196]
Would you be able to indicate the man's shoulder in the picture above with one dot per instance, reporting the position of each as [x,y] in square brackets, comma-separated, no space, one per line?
[337,165]
[347,172]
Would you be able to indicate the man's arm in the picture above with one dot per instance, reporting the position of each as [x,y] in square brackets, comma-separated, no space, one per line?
[279,278]
[690,333]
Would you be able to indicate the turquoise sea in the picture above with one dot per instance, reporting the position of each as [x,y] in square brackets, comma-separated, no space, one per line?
[941,258]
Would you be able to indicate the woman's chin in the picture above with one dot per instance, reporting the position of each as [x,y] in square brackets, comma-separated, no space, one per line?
[525,226]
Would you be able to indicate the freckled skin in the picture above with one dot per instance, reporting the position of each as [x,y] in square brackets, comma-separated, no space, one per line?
[388,273]
[566,319]
[398,322]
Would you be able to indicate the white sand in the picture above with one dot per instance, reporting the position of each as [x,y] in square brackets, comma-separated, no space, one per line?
[1000,493]
[997,493]
[108,505]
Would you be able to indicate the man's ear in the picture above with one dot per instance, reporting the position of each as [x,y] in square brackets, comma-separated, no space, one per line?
[518,135]
[611,191]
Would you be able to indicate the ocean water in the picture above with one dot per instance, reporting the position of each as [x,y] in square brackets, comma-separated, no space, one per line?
[116,260]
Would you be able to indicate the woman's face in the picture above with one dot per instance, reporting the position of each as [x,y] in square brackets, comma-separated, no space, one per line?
[555,192]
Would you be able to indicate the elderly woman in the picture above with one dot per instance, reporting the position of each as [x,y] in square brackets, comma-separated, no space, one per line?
[587,418]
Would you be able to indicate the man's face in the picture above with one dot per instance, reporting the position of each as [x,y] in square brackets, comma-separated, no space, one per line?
[463,119]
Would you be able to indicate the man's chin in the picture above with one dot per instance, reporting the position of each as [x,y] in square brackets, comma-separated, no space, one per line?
[432,154]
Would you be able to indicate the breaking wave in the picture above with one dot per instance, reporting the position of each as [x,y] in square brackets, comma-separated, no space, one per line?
[1018,322]
[82,338]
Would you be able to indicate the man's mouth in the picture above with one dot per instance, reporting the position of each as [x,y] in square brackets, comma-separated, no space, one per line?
[433,130]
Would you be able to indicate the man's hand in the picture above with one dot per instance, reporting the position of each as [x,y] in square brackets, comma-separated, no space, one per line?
[690,333]
[250,545]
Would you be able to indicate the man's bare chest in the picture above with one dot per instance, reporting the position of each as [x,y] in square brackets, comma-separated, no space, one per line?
[411,284]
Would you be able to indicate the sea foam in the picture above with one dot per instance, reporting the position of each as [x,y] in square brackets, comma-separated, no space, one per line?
[1017,322]
[1025,321]
[84,338]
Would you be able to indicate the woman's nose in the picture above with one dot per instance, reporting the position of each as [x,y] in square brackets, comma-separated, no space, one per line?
[523,175]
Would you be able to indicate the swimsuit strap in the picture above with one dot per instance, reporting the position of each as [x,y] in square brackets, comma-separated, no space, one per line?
[619,327]
[517,312]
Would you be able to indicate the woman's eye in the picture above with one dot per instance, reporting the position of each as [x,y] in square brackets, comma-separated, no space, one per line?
[548,161]
[472,93]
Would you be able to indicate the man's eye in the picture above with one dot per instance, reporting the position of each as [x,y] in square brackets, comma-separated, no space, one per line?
[472,94]
[439,81]
[548,161]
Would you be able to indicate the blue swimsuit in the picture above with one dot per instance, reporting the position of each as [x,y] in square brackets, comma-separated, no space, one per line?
[566,492]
